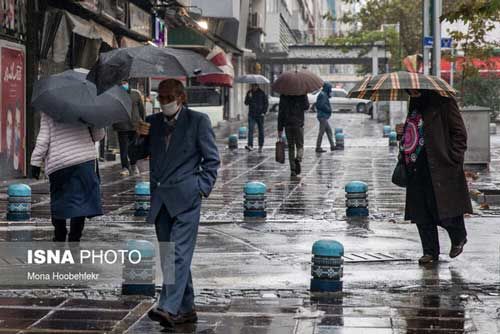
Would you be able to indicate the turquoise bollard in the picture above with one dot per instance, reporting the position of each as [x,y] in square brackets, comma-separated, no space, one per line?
[19,203]
[255,200]
[327,266]
[142,199]
[387,130]
[139,278]
[232,142]
[393,138]
[356,199]
[242,133]
[339,141]
[339,130]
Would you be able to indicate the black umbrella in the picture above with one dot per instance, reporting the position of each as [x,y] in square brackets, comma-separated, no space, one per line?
[147,61]
[69,97]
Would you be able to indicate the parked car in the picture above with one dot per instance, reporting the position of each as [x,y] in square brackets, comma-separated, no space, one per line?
[341,103]
[274,102]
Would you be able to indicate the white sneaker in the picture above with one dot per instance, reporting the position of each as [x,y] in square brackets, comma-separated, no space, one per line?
[124,172]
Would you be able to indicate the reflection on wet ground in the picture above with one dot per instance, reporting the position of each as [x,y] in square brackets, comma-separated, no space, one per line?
[234,256]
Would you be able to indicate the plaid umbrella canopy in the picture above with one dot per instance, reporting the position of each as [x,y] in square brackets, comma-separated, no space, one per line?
[392,86]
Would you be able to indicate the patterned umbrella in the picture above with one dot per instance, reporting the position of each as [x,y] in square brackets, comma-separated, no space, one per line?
[393,86]
[297,83]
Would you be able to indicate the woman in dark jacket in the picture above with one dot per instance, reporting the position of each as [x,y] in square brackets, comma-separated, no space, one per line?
[432,147]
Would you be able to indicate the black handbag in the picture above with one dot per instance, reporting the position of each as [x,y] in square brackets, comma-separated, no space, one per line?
[399,175]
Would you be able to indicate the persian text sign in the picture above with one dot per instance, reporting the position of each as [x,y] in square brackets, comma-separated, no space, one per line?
[13,111]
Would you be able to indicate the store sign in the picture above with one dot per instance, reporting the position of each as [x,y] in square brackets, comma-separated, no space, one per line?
[160,32]
[13,17]
[140,20]
[12,110]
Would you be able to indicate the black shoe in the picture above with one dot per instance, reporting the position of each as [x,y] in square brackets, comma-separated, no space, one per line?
[298,168]
[332,148]
[168,320]
[249,148]
[320,150]
[458,249]
[428,259]
[293,174]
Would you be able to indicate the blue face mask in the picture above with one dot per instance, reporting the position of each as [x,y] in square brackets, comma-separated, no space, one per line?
[125,87]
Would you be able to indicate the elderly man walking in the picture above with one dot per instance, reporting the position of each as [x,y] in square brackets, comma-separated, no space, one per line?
[183,168]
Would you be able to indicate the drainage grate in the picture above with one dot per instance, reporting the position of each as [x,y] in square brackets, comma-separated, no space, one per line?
[373,257]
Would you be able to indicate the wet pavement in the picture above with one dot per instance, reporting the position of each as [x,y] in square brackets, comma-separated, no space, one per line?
[252,277]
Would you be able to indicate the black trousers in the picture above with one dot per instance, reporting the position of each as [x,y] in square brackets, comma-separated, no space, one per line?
[429,234]
[75,232]
[124,139]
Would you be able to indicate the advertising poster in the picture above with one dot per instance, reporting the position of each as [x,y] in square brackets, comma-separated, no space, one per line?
[12,111]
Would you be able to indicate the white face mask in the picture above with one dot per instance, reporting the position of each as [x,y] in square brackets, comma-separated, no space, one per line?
[169,109]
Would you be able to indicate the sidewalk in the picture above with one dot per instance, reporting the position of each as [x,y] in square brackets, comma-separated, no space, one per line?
[254,277]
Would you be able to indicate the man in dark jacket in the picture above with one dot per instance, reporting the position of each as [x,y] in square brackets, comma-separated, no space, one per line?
[183,168]
[291,119]
[324,112]
[126,130]
[257,102]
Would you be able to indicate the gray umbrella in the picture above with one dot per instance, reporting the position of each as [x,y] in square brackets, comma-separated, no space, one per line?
[253,79]
[147,61]
[69,97]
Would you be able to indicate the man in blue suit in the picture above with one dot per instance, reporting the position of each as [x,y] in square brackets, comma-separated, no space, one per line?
[183,168]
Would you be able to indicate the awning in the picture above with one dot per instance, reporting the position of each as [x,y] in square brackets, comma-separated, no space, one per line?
[224,62]
[126,42]
[90,29]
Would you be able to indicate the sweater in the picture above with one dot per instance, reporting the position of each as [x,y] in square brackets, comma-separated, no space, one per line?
[62,145]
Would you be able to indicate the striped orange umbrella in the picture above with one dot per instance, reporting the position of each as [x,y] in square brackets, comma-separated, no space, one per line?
[393,86]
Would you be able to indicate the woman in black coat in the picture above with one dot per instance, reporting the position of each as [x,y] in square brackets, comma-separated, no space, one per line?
[432,147]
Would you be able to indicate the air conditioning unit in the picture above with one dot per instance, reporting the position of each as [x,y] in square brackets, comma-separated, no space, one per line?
[255,21]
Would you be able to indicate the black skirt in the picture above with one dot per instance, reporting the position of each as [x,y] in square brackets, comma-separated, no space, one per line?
[75,192]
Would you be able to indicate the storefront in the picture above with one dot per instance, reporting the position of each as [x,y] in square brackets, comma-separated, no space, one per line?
[12,89]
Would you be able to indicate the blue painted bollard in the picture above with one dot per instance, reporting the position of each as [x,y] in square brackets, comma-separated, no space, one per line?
[339,130]
[387,131]
[255,200]
[339,141]
[327,266]
[356,199]
[142,199]
[242,133]
[493,129]
[19,205]
[393,138]
[139,272]
[232,142]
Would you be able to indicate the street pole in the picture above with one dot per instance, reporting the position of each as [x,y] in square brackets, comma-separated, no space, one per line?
[452,65]
[436,51]
[426,32]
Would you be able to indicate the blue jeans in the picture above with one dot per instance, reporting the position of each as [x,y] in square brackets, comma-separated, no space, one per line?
[252,120]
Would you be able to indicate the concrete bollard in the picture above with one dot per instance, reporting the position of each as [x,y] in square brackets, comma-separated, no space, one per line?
[139,278]
[255,200]
[19,204]
[232,142]
[393,138]
[356,199]
[142,199]
[242,133]
[339,130]
[327,266]
[339,141]
[493,129]
[387,131]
